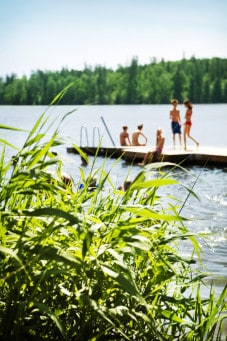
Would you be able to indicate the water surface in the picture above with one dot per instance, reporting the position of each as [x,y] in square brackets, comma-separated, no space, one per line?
[207,215]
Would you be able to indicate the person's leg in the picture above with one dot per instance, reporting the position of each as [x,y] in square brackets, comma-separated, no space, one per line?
[179,138]
[146,157]
[185,134]
[194,140]
[174,140]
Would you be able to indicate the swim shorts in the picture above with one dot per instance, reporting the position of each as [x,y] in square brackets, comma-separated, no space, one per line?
[176,128]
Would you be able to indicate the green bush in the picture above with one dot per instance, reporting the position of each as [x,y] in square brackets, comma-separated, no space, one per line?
[80,264]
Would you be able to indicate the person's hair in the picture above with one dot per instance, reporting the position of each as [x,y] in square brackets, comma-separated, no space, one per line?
[140,126]
[157,132]
[174,101]
[125,127]
[127,184]
[188,103]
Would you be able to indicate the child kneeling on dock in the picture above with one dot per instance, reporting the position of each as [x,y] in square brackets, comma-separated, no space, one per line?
[160,140]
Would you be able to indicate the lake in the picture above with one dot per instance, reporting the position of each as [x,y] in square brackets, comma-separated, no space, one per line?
[207,215]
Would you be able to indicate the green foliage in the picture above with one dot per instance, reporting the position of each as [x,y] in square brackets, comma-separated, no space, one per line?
[83,264]
[200,80]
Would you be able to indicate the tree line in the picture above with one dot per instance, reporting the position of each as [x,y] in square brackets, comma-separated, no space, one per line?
[200,80]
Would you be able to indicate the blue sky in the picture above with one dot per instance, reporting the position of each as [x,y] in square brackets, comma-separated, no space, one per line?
[52,34]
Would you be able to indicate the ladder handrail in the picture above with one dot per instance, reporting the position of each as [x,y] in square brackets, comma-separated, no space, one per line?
[83,128]
[94,130]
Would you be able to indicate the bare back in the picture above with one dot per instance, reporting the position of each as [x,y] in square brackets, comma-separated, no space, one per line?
[135,138]
[123,138]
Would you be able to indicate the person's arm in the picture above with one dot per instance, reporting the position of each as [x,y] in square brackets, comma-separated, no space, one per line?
[144,137]
[121,139]
[179,120]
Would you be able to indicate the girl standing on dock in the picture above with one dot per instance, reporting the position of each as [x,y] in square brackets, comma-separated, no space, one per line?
[188,123]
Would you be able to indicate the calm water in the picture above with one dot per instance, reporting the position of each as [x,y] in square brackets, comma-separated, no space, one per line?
[208,215]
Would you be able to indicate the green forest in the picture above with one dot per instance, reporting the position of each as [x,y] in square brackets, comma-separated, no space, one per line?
[200,80]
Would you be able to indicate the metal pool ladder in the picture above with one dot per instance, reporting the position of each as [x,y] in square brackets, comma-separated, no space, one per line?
[84,133]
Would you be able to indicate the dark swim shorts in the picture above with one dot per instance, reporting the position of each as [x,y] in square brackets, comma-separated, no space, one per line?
[176,128]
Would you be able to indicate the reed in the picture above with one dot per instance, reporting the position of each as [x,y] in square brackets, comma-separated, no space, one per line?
[81,264]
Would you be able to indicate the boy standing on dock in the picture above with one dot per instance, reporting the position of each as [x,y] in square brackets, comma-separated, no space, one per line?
[176,121]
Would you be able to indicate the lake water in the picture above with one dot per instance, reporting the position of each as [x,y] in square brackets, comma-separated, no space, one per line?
[208,215]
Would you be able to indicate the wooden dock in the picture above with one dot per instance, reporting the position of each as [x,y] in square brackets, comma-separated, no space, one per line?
[208,156]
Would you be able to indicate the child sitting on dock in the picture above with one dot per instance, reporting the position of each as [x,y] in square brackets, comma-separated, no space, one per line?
[136,135]
[124,137]
[160,140]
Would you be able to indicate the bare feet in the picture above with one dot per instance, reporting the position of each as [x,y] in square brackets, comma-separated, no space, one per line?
[141,164]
